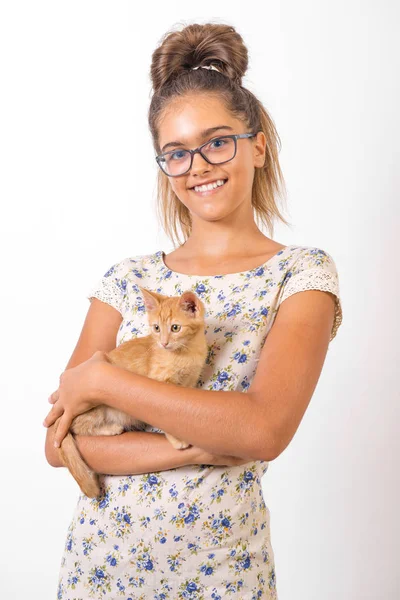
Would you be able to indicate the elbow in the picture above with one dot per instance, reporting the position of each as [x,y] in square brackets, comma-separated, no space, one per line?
[272,454]
[269,445]
[264,446]
[265,451]
[52,454]
[279,441]
[50,460]
[270,439]
[268,455]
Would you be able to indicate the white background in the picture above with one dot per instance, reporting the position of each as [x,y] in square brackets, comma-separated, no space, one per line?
[77,188]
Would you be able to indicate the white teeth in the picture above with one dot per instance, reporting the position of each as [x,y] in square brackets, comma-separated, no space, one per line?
[210,186]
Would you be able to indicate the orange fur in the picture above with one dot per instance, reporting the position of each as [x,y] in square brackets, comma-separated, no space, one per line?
[181,364]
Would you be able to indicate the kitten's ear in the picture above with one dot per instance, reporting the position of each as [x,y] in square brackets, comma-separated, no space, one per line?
[151,299]
[191,304]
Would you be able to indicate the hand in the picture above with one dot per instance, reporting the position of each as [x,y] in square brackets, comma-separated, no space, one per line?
[75,395]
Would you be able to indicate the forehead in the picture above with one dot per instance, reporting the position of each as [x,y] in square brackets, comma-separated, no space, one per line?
[167,309]
[185,118]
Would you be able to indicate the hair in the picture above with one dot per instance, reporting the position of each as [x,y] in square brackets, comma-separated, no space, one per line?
[172,76]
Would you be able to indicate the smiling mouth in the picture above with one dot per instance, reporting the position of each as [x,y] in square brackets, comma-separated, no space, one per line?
[211,191]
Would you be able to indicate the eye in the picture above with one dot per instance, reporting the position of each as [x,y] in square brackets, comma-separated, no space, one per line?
[178,155]
[218,141]
[175,327]
[156,327]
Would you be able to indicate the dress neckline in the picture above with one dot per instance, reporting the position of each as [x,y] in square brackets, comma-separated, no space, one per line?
[160,255]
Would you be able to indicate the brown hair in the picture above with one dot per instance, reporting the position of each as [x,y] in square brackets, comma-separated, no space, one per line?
[172,76]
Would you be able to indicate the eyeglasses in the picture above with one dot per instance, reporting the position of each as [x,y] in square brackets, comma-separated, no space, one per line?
[216,152]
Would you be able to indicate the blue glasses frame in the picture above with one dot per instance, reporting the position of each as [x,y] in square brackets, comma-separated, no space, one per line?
[235,136]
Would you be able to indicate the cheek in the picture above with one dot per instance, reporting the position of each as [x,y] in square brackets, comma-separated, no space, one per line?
[179,188]
[244,176]
[184,195]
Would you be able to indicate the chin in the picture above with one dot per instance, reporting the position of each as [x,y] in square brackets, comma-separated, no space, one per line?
[214,213]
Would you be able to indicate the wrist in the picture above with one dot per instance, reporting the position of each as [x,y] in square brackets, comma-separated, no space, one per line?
[99,385]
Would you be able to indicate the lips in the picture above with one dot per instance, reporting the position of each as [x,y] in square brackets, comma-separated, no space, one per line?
[208,182]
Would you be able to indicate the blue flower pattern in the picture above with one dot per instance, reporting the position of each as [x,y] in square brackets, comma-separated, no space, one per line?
[197,532]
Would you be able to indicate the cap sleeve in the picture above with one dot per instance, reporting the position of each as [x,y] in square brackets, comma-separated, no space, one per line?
[315,270]
[111,287]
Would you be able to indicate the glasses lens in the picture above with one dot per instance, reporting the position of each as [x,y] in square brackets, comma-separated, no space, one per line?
[219,150]
[176,162]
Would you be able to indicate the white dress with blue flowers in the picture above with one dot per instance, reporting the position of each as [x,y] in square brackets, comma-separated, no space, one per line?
[199,531]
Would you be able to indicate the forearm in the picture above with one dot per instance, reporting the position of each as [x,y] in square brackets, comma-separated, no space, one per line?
[130,453]
[220,422]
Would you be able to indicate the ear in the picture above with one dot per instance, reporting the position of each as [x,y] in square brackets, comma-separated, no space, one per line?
[191,304]
[260,149]
[151,299]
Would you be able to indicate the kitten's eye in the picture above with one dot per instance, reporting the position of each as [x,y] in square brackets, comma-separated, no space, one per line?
[156,327]
[175,328]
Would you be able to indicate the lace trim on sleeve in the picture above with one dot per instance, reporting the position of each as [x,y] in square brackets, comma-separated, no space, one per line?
[316,279]
[107,291]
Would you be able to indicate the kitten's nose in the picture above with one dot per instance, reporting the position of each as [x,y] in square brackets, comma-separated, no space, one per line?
[164,344]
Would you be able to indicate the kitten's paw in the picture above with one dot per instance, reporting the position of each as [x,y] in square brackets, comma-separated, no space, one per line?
[177,444]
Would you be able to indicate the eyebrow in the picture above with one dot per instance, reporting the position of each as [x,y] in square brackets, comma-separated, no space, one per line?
[203,134]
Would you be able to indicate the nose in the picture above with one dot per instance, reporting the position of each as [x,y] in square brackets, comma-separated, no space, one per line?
[199,164]
[164,344]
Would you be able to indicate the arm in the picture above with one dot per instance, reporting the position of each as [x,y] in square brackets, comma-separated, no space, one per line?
[138,452]
[220,422]
[257,425]
[99,332]
[292,358]
[130,453]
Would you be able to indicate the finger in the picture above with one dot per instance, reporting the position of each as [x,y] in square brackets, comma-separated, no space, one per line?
[53,415]
[54,397]
[62,429]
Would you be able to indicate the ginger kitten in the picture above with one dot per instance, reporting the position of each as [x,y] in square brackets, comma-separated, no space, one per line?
[175,351]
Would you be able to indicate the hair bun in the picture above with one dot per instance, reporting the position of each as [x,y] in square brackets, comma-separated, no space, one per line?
[199,45]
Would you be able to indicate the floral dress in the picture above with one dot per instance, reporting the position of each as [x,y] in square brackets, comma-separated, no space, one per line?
[199,531]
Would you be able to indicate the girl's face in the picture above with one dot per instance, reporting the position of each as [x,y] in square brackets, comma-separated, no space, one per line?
[183,121]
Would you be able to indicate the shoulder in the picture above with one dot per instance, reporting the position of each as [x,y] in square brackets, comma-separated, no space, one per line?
[132,267]
[118,285]
[310,257]
[312,268]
